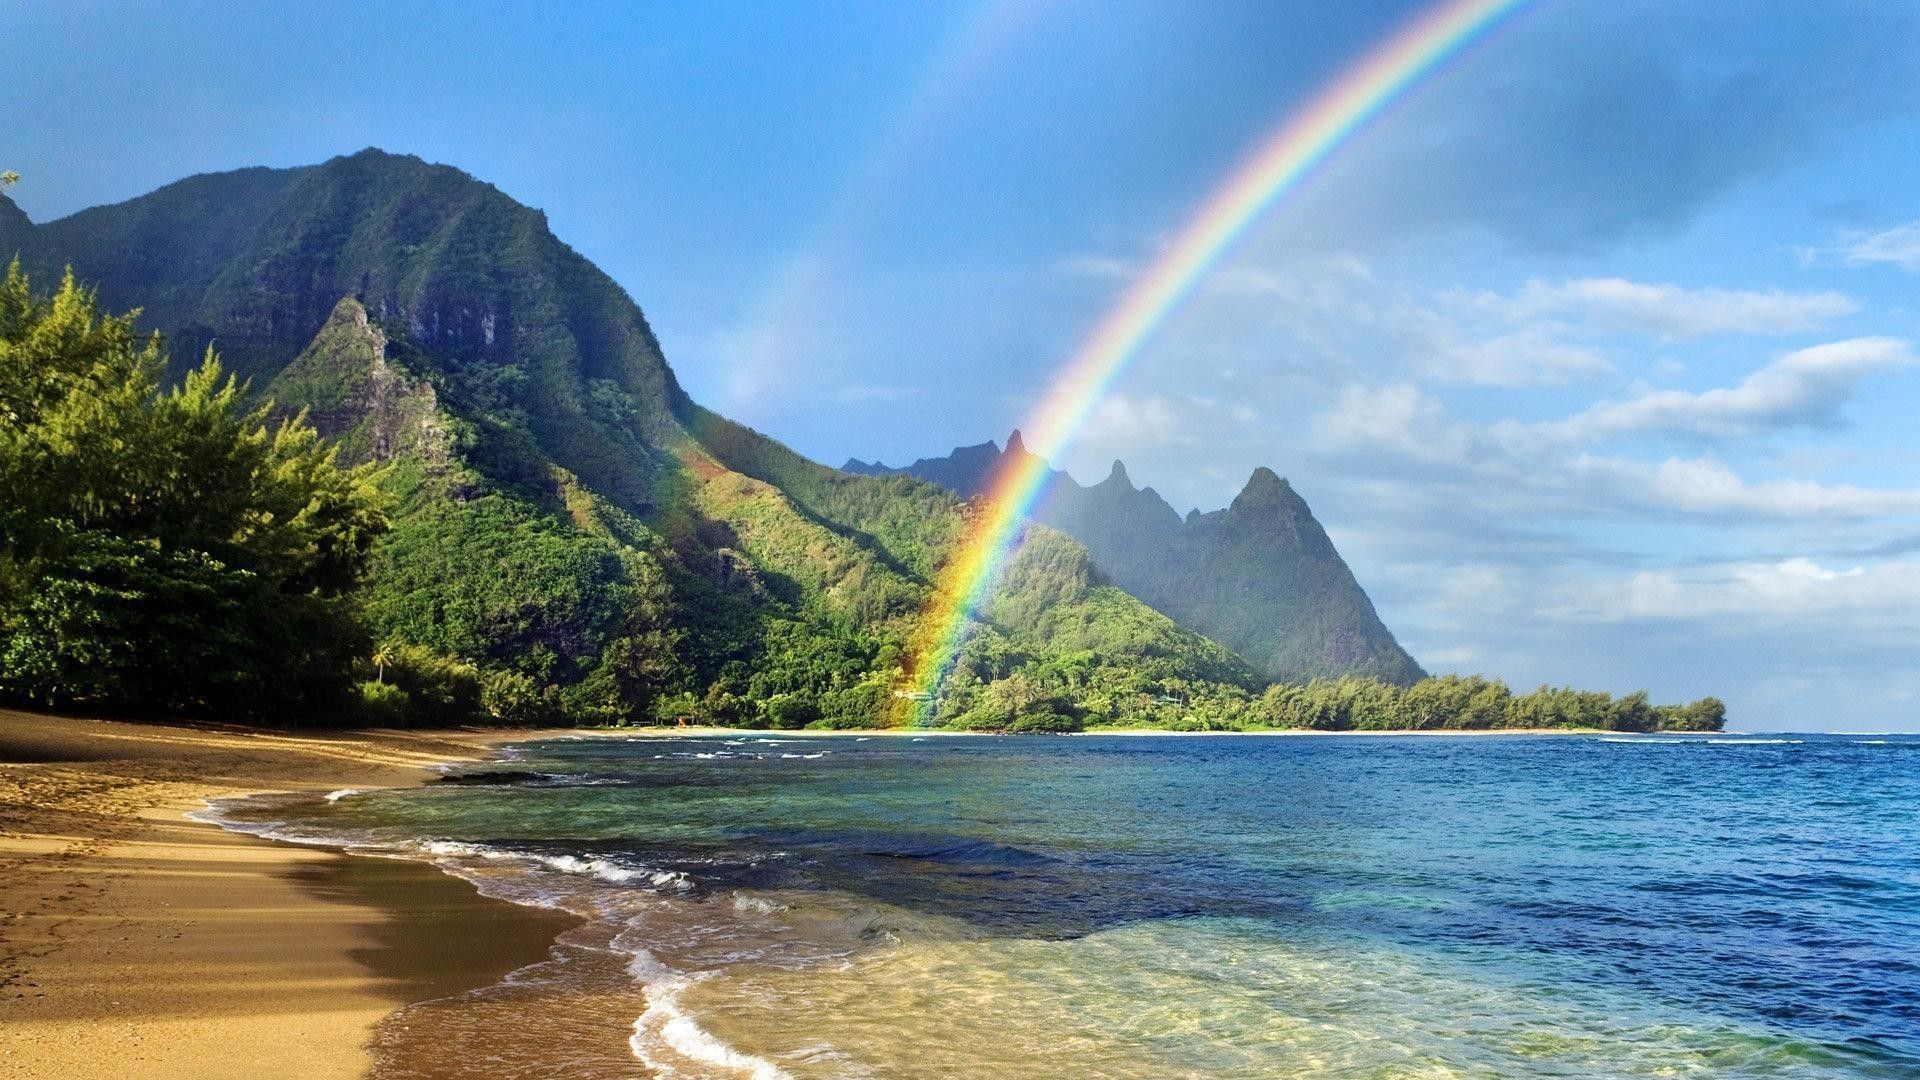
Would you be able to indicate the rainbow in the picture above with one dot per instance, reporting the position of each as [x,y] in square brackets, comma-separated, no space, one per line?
[1276,168]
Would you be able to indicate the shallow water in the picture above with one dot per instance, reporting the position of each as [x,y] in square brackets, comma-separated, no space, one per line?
[1203,906]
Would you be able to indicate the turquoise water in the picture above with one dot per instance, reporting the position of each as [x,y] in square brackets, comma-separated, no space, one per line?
[1193,906]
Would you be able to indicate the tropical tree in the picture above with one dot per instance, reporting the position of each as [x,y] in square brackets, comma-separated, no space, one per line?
[165,549]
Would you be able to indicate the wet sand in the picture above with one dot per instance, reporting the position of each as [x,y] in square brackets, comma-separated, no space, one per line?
[134,942]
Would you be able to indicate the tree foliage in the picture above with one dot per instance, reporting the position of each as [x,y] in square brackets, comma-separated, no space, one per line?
[165,549]
[1460,702]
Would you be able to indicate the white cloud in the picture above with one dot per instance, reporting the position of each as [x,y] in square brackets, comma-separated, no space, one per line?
[1400,437]
[1390,429]
[1671,311]
[1334,313]
[1152,420]
[1507,467]
[1527,357]
[1802,388]
[1398,417]
[1899,246]
[1534,337]
[1796,589]
[1706,487]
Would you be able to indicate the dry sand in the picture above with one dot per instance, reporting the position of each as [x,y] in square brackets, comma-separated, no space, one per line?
[136,943]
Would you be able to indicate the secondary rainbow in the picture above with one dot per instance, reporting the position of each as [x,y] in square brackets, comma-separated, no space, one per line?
[1277,167]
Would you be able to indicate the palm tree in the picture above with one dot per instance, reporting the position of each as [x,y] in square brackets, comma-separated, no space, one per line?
[382,656]
[9,178]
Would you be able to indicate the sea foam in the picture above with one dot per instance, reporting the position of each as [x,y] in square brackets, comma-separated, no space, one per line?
[603,869]
[664,1036]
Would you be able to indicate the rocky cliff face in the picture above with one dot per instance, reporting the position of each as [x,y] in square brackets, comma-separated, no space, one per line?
[1260,577]
[355,395]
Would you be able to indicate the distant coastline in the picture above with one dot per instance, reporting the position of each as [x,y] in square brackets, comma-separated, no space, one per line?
[658,731]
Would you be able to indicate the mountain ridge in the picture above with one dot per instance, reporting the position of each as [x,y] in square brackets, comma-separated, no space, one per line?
[1260,576]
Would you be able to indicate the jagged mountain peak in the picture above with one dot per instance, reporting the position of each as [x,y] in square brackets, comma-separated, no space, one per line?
[1260,576]
[1267,490]
[353,395]
[966,470]
[349,311]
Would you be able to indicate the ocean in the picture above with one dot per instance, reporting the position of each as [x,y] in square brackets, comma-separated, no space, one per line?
[1370,906]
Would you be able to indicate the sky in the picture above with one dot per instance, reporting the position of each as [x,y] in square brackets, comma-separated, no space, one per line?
[1595,353]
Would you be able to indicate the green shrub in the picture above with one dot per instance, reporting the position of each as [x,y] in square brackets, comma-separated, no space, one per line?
[856,707]
[788,712]
[444,692]
[381,705]
[512,698]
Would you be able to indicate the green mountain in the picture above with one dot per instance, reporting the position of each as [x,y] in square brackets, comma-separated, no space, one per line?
[564,516]
[1260,577]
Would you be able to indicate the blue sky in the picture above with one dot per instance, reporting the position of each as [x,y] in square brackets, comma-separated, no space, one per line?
[1595,354]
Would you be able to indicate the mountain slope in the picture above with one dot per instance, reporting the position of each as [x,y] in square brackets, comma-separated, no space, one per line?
[1260,576]
[565,515]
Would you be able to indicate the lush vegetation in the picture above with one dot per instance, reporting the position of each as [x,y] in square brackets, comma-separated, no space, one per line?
[1473,702]
[1056,697]
[165,549]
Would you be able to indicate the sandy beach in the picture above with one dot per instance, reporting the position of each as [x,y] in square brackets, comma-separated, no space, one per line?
[135,942]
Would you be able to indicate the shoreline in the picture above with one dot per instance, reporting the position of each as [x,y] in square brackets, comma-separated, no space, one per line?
[1369,733]
[138,938]
[1130,732]
[135,940]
